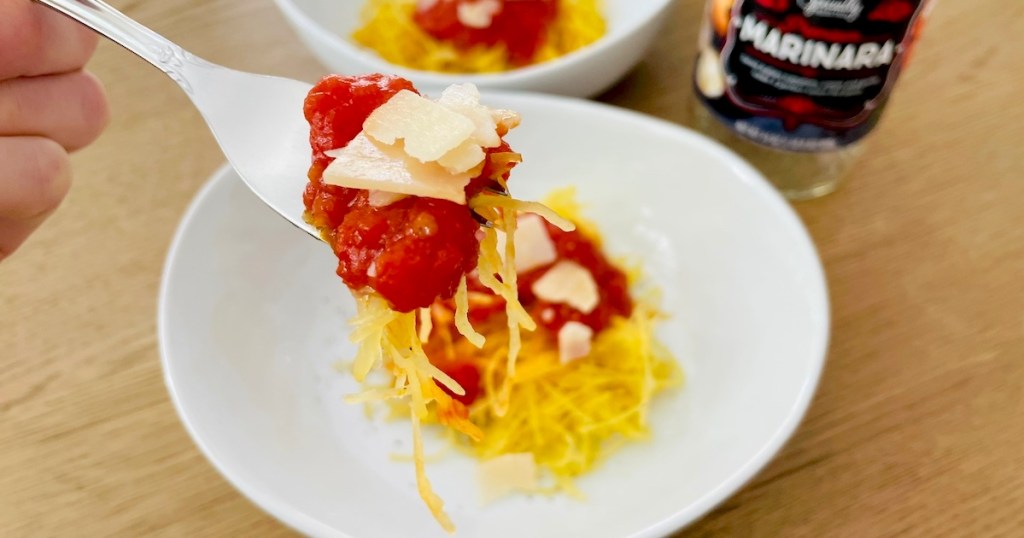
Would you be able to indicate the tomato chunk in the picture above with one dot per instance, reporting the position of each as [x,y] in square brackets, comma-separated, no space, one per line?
[411,252]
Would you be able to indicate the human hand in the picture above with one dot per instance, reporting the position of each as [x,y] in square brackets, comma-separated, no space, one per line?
[49,106]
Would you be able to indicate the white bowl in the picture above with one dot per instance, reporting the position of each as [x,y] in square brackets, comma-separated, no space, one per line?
[252,319]
[325,27]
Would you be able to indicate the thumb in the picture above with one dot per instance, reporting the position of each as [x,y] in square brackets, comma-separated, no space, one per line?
[35,175]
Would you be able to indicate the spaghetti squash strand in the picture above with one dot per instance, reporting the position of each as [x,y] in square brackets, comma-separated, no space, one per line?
[489,265]
[434,503]
[426,324]
[571,416]
[462,315]
[505,202]
[509,276]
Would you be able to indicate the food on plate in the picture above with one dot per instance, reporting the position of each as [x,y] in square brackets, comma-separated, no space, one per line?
[477,36]
[584,379]
[497,318]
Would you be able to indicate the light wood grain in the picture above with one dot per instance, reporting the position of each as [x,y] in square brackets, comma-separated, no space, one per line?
[917,426]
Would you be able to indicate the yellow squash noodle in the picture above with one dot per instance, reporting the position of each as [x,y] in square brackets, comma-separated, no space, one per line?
[569,416]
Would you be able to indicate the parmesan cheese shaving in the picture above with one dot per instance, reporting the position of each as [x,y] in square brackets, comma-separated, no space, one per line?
[428,129]
[371,165]
[574,340]
[383,198]
[506,474]
[462,158]
[506,119]
[534,247]
[465,99]
[478,14]
[570,283]
[411,145]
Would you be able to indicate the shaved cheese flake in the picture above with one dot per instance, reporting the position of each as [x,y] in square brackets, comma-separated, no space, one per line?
[478,14]
[506,474]
[383,198]
[450,132]
[568,283]
[466,157]
[534,247]
[465,99]
[367,164]
[506,119]
[574,339]
[428,129]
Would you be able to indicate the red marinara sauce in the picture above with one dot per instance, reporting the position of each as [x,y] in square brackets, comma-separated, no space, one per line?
[612,285]
[466,375]
[614,300]
[520,25]
[411,252]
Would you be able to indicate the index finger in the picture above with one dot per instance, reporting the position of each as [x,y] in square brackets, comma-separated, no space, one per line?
[35,40]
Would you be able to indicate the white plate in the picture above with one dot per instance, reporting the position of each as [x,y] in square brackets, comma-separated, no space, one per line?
[252,318]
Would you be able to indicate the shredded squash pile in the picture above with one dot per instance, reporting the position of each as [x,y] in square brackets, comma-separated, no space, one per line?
[565,415]
[394,340]
[389,30]
[568,416]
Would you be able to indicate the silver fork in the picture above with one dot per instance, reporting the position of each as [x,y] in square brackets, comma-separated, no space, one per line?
[256,119]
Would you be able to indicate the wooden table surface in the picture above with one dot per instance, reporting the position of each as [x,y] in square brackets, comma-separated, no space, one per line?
[918,424]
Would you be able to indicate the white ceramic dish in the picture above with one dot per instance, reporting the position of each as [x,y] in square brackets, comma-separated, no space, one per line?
[324,26]
[252,318]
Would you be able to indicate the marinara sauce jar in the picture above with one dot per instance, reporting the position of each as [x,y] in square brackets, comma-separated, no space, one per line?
[795,85]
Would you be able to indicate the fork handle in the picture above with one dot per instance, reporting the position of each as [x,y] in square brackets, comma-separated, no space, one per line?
[121,29]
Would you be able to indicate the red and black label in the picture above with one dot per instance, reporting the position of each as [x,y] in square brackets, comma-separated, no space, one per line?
[803,75]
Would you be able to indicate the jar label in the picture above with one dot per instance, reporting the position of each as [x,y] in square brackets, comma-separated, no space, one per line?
[803,75]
